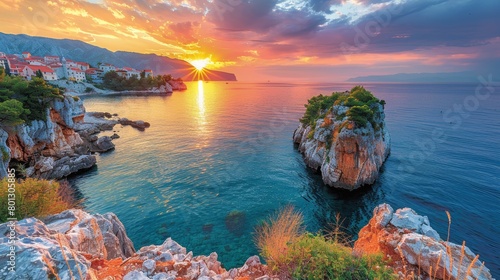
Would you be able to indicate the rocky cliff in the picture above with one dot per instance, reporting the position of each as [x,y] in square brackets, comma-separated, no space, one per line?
[62,144]
[50,148]
[345,139]
[415,249]
[77,245]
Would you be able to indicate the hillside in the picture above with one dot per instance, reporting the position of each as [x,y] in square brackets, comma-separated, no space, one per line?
[80,51]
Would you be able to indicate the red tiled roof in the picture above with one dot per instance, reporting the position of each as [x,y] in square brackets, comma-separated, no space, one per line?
[82,63]
[76,69]
[52,56]
[93,70]
[148,70]
[25,52]
[18,64]
[41,68]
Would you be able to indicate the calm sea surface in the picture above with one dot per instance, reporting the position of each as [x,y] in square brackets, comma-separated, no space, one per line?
[220,148]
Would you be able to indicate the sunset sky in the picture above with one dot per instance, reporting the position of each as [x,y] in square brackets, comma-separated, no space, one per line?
[328,40]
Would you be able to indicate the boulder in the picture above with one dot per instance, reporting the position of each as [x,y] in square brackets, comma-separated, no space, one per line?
[413,247]
[102,236]
[40,253]
[103,144]
[140,125]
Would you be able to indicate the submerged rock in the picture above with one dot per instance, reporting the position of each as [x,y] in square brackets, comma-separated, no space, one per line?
[347,149]
[414,247]
[140,125]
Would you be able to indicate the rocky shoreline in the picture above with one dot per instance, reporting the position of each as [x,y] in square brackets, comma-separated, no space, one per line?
[82,89]
[76,243]
[63,144]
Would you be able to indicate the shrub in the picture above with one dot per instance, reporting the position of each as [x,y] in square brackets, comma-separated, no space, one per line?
[310,135]
[88,89]
[292,254]
[32,98]
[329,140]
[360,114]
[319,258]
[36,198]
[5,154]
[361,102]
[12,112]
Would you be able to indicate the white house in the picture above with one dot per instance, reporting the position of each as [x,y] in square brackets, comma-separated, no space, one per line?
[49,59]
[106,67]
[94,73]
[29,71]
[132,72]
[148,73]
[70,63]
[4,61]
[58,69]
[35,61]
[17,69]
[76,74]
[82,66]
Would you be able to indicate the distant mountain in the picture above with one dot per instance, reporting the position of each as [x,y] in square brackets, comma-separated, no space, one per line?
[463,77]
[80,51]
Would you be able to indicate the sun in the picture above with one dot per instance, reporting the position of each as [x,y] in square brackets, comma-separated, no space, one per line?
[199,64]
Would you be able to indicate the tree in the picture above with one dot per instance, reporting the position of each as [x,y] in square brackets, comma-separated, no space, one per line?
[2,74]
[39,74]
[12,112]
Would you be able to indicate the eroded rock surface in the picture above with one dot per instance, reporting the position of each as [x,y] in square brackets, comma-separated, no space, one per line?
[75,243]
[415,248]
[347,155]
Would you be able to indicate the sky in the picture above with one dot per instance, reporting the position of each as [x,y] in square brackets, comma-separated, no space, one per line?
[279,40]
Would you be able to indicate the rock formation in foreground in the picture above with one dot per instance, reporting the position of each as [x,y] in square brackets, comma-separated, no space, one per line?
[345,137]
[77,245]
[415,248]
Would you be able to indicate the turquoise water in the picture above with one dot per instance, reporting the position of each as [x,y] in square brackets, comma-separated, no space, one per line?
[218,148]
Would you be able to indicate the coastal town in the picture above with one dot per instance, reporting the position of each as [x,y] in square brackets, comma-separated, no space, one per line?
[53,68]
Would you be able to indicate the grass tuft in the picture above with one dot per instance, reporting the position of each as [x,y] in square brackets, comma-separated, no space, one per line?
[36,198]
[292,253]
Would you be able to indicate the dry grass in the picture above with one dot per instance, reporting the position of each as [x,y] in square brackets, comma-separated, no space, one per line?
[64,256]
[37,198]
[336,232]
[273,237]
[464,271]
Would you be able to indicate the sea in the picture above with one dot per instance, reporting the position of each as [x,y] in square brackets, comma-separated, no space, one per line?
[219,159]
